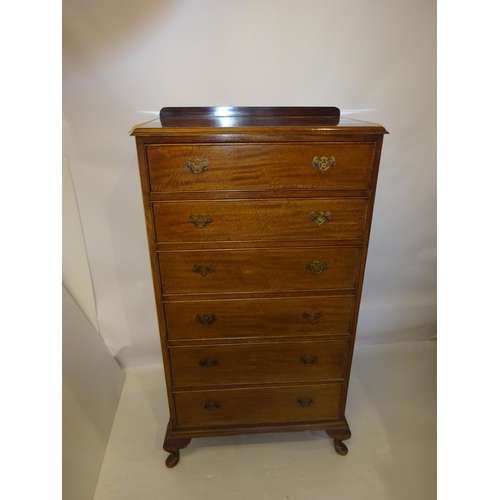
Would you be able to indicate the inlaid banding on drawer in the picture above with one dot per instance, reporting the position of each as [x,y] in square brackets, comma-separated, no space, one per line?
[263,220]
[259,167]
[281,317]
[258,363]
[257,270]
[254,406]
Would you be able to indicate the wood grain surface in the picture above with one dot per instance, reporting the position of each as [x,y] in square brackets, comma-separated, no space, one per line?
[259,167]
[283,317]
[257,405]
[258,363]
[259,270]
[259,220]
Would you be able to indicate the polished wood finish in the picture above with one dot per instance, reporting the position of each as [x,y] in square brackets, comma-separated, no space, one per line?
[258,363]
[258,223]
[270,269]
[175,117]
[270,220]
[258,168]
[257,405]
[260,318]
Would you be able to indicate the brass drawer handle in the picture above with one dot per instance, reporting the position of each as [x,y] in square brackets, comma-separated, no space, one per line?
[197,166]
[312,316]
[320,217]
[305,401]
[309,359]
[211,405]
[316,266]
[206,319]
[203,269]
[200,221]
[324,163]
[208,363]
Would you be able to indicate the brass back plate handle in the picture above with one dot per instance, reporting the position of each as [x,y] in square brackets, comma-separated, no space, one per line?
[320,217]
[316,266]
[211,405]
[324,163]
[206,319]
[197,166]
[312,316]
[309,359]
[200,221]
[208,362]
[305,401]
[203,269]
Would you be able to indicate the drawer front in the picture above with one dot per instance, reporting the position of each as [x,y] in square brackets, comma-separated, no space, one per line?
[259,167]
[233,318]
[255,406]
[217,271]
[244,220]
[258,363]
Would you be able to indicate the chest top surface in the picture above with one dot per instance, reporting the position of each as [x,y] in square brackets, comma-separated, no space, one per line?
[248,119]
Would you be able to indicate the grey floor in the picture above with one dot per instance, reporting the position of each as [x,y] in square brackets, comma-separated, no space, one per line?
[391,410]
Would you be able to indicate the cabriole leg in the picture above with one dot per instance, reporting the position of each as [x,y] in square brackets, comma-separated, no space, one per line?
[338,436]
[173,446]
[340,447]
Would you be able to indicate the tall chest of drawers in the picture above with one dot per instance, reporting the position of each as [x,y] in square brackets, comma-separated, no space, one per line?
[258,222]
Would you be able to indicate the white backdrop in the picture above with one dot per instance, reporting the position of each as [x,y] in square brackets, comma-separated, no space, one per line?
[123,60]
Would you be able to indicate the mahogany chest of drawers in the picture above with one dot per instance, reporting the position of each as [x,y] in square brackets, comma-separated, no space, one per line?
[258,222]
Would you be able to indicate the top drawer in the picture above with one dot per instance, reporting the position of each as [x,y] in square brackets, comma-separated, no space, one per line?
[259,167]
